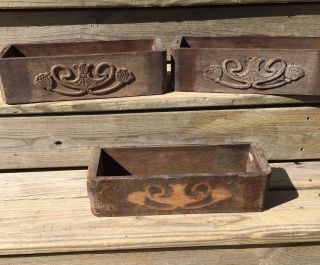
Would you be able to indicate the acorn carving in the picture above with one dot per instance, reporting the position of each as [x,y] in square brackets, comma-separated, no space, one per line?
[44,80]
[213,72]
[123,75]
[293,73]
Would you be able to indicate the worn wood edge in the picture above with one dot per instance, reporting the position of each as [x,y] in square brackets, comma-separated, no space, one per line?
[67,225]
[268,255]
[35,4]
[57,184]
[173,101]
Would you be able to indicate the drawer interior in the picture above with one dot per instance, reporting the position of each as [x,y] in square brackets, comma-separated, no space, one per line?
[153,161]
[250,42]
[79,48]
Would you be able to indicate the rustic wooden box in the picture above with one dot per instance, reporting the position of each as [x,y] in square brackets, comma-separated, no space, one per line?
[182,179]
[266,65]
[82,70]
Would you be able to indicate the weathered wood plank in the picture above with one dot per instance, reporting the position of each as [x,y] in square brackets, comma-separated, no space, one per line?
[292,255]
[298,175]
[43,185]
[67,140]
[67,225]
[25,4]
[174,100]
[275,20]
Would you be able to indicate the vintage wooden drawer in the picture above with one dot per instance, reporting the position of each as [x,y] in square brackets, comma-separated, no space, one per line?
[267,65]
[82,70]
[179,179]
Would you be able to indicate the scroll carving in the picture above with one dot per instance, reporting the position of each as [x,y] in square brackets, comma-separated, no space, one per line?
[178,196]
[82,79]
[254,72]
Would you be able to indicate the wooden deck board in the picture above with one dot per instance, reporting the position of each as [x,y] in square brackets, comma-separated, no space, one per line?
[58,184]
[25,4]
[67,225]
[285,133]
[19,26]
[266,255]
[174,100]
[40,217]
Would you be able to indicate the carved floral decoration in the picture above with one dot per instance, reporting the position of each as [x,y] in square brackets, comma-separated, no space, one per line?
[82,79]
[254,72]
[178,196]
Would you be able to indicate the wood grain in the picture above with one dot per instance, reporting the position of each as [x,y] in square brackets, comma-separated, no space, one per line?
[53,25]
[67,225]
[292,255]
[298,175]
[24,4]
[173,101]
[38,212]
[57,184]
[42,185]
[67,140]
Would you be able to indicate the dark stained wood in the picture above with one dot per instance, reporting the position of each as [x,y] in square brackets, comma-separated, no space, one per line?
[186,179]
[266,65]
[82,70]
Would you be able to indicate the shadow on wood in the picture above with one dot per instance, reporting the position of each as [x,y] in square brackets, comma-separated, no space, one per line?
[288,194]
